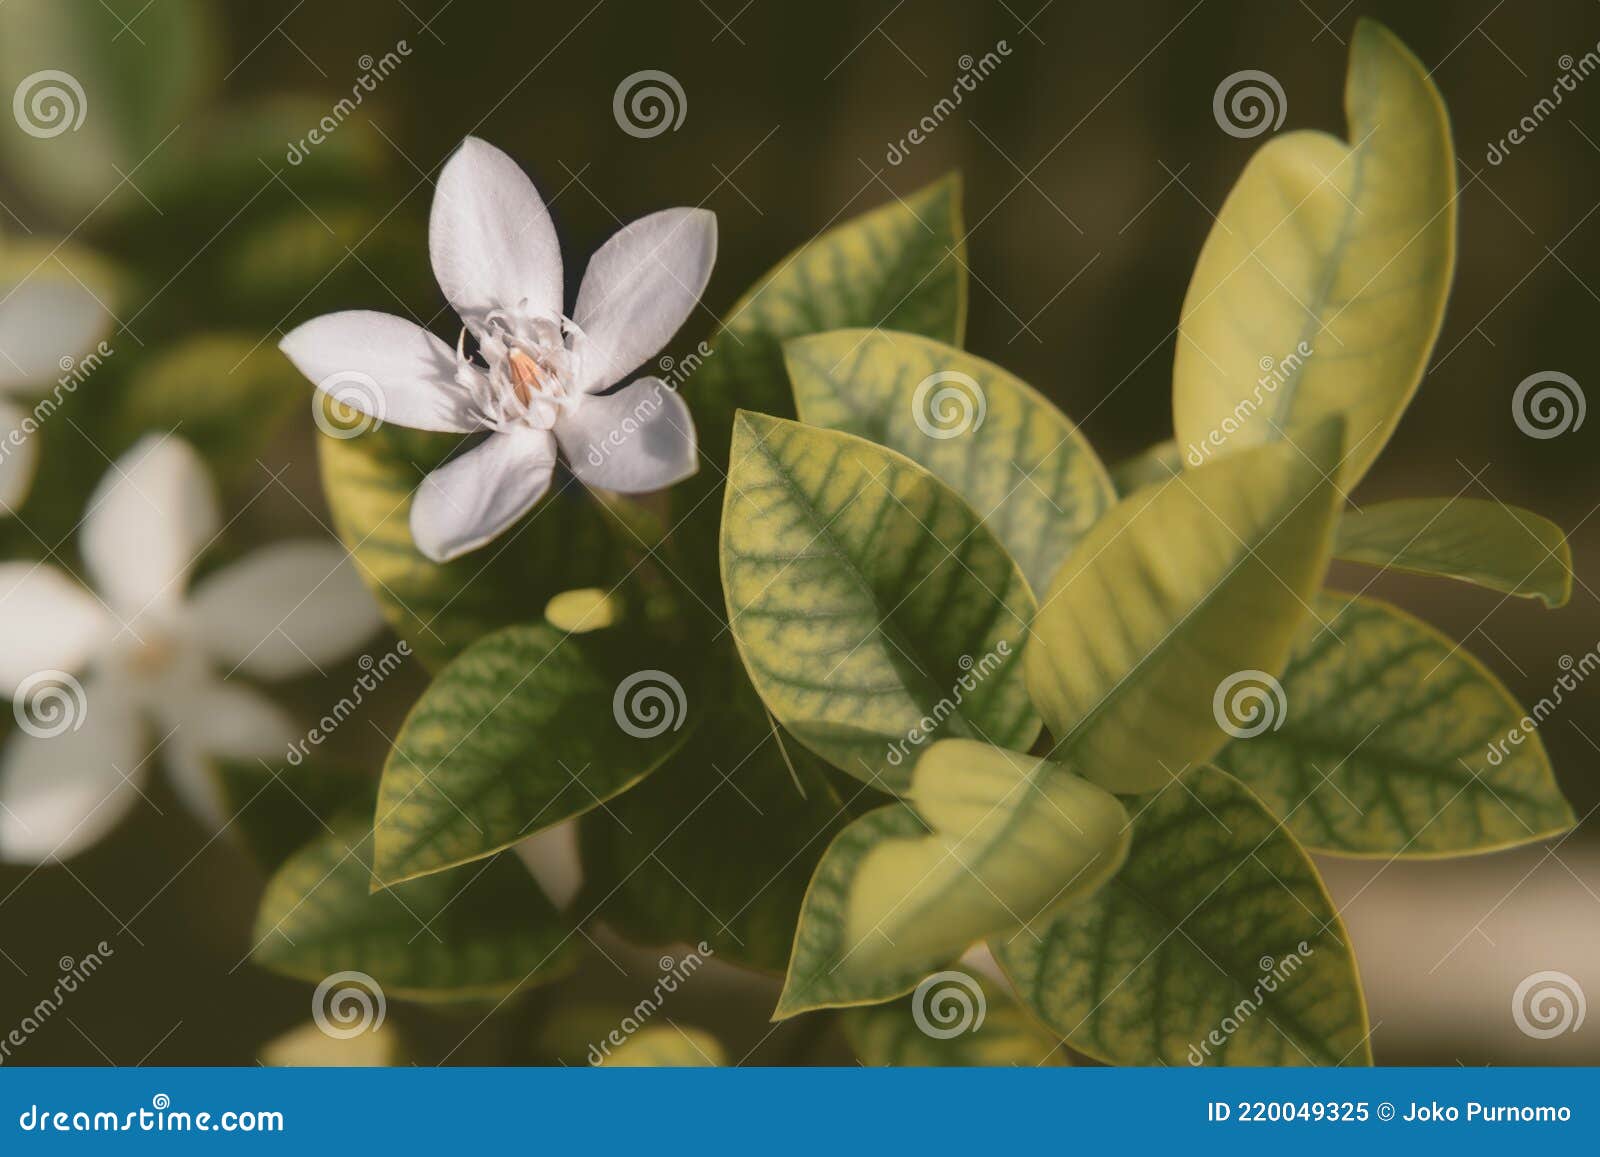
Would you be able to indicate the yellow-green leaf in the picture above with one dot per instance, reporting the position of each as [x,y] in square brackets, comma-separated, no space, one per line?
[1020,463]
[1395,741]
[1155,464]
[1478,541]
[567,540]
[481,932]
[524,729]
[1215,944]
[988,840]
[669,1046]
[964,1022]
[1322,285]
[1179,587]
[872,608]
[901,266]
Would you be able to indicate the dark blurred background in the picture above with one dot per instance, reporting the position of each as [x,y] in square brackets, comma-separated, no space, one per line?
[1092,165]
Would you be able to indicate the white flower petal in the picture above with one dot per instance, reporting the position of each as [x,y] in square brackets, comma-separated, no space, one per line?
[640,288]
[639,439]
[229,719]
[152,514]
[19,454]
[44,318]
[47,623]
[552,857]
[58,795]
[471,499]
[217,719]
[193,775]
[383,366]
[490,237]
[284,609]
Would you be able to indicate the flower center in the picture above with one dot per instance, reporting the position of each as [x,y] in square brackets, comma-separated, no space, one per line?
[153,657]
[526,369]
[526,377]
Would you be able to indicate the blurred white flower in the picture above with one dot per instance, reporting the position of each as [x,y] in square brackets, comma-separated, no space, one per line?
[149,649]
[47,321]
[537,381]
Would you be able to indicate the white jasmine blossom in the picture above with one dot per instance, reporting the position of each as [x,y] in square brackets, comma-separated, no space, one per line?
[537,382]
[151,651]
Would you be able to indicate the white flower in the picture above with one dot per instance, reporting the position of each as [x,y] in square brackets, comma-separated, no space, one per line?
[539,385]
[148,649]
[45,317]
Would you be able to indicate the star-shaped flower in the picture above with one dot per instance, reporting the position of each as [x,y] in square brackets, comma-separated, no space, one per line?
[538,379]
[148,648]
